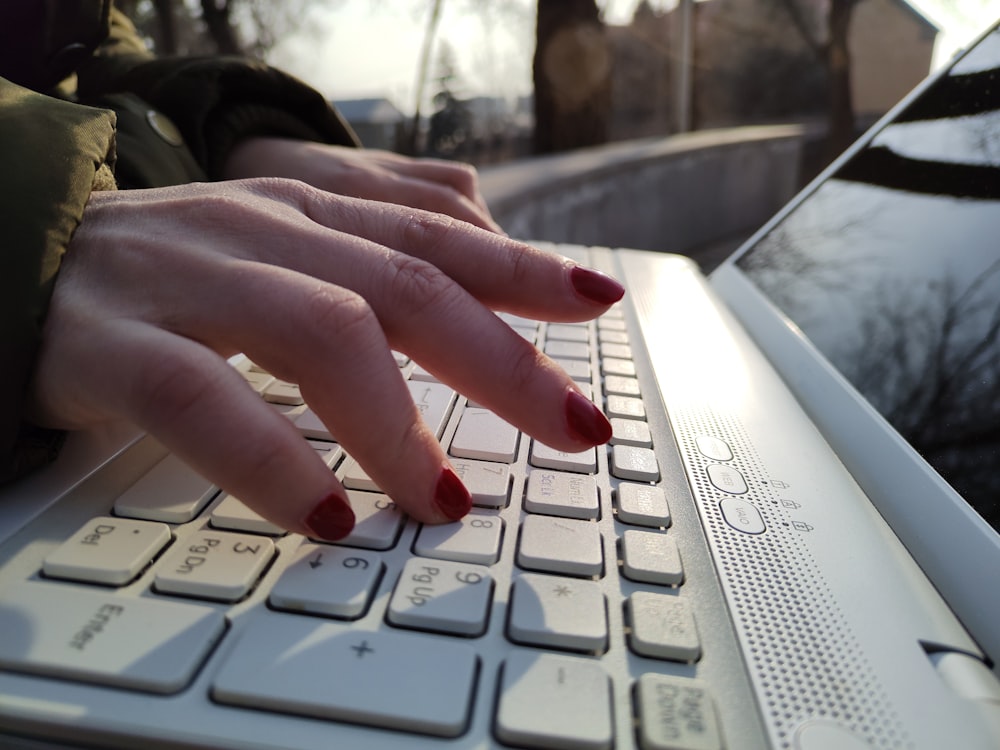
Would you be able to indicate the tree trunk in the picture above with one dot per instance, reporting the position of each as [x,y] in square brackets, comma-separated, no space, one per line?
[216,16]
[411,145]
[166,41]
[572,76]
[841,112]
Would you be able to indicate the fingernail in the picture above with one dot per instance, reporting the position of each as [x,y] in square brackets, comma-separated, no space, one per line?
[451,496]
[596,286]
[586,420]
[331,519]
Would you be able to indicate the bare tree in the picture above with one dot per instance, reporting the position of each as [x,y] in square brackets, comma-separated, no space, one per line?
[217,15]
[831,49]
[410,145]
[230,27]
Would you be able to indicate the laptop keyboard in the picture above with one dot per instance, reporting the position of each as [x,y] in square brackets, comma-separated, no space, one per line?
[553,615]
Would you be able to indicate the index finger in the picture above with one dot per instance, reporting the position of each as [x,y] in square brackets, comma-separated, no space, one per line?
[501,273]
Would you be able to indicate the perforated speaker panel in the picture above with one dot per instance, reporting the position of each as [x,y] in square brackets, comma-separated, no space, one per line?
[803,657]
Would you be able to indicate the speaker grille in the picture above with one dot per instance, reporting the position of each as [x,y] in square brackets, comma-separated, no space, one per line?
[802,655]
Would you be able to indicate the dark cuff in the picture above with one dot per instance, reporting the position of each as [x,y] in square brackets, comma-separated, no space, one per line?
[217,102]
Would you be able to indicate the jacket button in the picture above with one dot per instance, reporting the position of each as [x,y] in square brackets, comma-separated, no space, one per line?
[163,127]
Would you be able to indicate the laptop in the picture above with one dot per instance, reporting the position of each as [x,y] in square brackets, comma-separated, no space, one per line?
[792,541]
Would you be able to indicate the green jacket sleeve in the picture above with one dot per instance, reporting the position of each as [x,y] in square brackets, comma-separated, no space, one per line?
[53,153]
[214,101]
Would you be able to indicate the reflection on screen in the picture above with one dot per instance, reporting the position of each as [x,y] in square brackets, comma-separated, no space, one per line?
[892,269]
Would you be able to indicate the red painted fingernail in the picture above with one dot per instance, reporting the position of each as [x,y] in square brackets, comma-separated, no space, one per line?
[331,519]
[451,496]
[586,420]
[596,286]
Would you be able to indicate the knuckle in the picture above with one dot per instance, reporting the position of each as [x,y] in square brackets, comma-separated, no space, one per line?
[341,314]
[428,230]
[524,365]
[415,285]
[523,268]
[466,177]
[279,186]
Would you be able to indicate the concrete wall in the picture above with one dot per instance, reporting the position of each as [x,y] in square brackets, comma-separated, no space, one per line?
[674,194]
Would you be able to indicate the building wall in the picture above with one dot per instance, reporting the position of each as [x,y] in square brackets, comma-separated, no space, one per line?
[752,65]
[891,52]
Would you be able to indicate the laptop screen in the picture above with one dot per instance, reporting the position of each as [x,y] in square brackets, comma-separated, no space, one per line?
[892,269]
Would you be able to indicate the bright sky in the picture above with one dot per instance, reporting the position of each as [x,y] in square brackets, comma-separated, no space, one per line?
[358,48]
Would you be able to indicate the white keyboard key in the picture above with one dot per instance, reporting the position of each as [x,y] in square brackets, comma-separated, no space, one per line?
[623,367]
[214,565]
[642,505]
[567,350]
[550,701]
[420,375]
[170,492]
[434,402]
[107,550]
[528,334]
[377,521]
[483,435]
[621,386]
[651,557]
[663,627]
[626,407]
[560,545]
[544,457]
[577,369]
[310,426]
[356,478]
[615,351]
[326,580]
[488,483]
[516,321]
[558,612]
[610,323]
[472,539]
[89,635]
[637,464]
[630,432]
[258,380]
[232,515]
[608,336]
[395,680]
[556,493]
[401,359]
[567,332]
[676,713]
[280,392]
[442,596]
[331,453]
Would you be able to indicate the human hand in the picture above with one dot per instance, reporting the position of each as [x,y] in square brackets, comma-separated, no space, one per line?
[158,287]
[446,187]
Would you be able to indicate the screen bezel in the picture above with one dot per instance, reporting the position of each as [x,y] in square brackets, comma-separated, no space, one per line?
[957,549]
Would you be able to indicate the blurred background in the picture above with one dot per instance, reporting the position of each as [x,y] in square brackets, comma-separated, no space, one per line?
[505,82]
